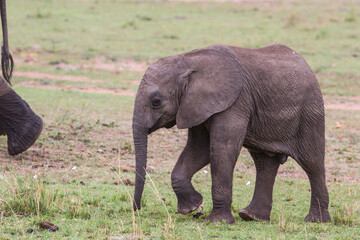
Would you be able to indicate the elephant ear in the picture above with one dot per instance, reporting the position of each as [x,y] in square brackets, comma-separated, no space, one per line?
[212,82]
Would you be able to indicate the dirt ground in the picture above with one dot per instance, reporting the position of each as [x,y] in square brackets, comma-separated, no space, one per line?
[33,84]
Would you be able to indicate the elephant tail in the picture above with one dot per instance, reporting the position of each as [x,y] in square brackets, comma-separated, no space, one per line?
[7,62]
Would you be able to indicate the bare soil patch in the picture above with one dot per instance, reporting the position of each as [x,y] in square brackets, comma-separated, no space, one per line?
[103,64]
[55,77]
[34,56]
[33,84]
[106,65]
[342,103]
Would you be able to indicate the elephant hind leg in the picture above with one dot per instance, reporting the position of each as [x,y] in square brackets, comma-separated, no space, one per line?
[311,156]
[319,198]
[261,203]
[194,157]
[315,170]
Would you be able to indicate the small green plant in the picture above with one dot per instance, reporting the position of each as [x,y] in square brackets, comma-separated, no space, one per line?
[77,209]
[130,24]
[172,37]
[350,17]
[40,15]
[85,140]
[341,151]
[282,223]
[144,18]
[109,125]
[292,21]
[289,198]
[127,147]
[344,215]
[125,198]
[27,196]
[321,35]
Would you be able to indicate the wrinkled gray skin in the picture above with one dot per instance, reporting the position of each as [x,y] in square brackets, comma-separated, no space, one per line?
[17,120]
[267,100]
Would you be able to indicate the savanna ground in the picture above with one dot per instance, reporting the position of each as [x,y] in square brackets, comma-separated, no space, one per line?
[78,64]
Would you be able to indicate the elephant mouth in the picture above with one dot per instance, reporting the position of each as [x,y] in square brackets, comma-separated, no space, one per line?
[170,124]
[156,126]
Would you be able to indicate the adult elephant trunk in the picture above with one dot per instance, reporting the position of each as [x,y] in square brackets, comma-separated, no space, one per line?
[140,134]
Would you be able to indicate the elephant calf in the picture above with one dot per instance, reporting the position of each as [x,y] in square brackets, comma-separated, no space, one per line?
[267,100]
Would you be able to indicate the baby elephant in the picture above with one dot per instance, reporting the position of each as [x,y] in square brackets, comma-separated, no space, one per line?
[267,100]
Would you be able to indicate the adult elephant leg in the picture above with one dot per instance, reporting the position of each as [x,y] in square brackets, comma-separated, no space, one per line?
[261,203]
[21,125]
[194,157]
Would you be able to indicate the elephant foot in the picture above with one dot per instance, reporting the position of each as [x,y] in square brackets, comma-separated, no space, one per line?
[219,215]
[25,135]
[189,202]
[250,214]
[317,216]
[17,120]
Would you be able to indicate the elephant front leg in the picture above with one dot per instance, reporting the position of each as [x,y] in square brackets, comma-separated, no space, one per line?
[194,157]
[222,168]
[226,142]
[227,133]
[261,203]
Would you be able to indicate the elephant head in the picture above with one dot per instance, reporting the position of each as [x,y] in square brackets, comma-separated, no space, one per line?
[185,90]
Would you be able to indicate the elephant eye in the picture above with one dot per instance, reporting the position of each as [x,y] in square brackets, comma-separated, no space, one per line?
[155,103]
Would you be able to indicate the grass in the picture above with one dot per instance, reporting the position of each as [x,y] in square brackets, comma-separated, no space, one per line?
[72,175]
[78,33]
[102,207]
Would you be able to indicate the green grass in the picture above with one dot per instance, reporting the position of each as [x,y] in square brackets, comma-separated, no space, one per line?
[87,137]
[74,32]
[79,124]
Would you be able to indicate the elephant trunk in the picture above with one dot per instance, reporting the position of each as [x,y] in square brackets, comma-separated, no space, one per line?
[140,135]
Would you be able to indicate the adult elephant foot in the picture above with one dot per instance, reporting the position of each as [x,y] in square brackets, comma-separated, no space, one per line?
[21,125]
[250,214]
[27,133]
[219,215]
[188,203]
[318,216]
